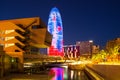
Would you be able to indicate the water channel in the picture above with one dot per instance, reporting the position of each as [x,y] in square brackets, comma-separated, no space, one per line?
[63,73]
[54,72]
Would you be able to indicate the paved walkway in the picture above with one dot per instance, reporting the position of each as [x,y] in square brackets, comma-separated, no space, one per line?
[27,77]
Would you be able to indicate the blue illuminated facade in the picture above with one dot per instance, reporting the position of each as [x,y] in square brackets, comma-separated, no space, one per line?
[56,29]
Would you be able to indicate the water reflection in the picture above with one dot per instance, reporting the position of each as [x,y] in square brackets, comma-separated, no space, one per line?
[60,73]
[63,73]
[76,75]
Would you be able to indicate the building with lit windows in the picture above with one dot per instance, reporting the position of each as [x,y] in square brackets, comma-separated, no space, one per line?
[23,36]
[71,51]
[81,49]
[85,48]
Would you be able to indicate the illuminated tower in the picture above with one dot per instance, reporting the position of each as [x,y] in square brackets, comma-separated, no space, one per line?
[56,29]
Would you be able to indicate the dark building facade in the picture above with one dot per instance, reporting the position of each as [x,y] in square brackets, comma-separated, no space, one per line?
[85,48]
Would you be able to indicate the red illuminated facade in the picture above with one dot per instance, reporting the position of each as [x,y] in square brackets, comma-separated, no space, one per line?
[56,29]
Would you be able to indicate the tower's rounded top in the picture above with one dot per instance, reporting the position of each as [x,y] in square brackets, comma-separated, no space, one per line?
[54,9]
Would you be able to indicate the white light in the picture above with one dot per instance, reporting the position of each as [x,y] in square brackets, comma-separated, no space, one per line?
[90,41]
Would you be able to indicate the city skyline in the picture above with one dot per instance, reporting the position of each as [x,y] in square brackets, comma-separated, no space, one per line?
[82,20]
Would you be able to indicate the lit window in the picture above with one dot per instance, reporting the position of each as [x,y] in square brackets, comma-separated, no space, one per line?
[8,45]
[8,31]
[8,38]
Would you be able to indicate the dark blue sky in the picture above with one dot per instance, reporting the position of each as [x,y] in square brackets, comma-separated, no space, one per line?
[97,20]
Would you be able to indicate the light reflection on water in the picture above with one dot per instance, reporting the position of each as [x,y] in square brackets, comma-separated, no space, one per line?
[76,75]
[60,73]
[63,73]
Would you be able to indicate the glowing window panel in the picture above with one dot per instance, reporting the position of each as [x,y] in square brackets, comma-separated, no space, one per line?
[56,29]
[8,45]
[8,31]
[8,38]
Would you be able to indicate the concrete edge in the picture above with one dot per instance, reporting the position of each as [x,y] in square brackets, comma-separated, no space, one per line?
[93,75]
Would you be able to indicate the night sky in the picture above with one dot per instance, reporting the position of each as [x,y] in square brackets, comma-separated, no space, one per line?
[83,20]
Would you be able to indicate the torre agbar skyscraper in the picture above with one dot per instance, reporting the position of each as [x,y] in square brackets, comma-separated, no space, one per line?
[56,29]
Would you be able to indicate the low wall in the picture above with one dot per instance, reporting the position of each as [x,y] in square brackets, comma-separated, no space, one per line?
[108,72]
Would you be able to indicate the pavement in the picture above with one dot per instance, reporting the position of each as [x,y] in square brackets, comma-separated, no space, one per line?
[28,76]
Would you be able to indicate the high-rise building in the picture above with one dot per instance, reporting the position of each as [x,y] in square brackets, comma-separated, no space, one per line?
[23,36]
[56,29]
[85,48]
